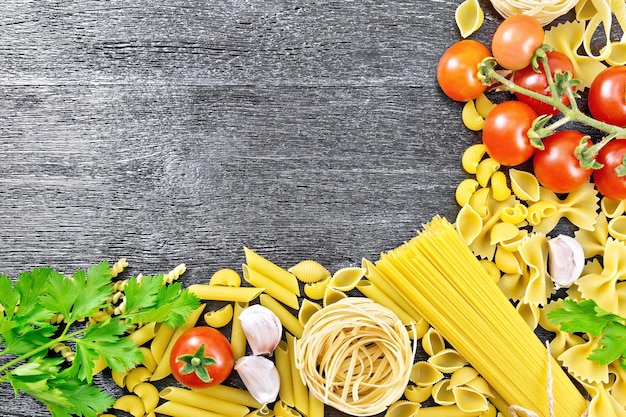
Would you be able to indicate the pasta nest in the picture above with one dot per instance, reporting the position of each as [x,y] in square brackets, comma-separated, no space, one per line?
[355,355]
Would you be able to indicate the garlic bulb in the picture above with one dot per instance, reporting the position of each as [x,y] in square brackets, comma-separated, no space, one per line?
[260,376]
[566,260]
[262,328]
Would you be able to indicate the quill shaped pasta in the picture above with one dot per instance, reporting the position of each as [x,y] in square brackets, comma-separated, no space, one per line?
[577,364]
[525,185]
[579,207]
[469,17]
[604,287]
[593,241]
[470,116]
[567,38]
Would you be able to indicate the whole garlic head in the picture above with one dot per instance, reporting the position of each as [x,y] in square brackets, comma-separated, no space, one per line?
[262,328]
[566,260]
[260,376]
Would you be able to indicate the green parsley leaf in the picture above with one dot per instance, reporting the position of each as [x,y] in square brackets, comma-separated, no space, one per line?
[142,293]
[171,306]
[613,345]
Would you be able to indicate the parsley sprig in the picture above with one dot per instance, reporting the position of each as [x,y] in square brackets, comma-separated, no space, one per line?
[587,317]
[28,331]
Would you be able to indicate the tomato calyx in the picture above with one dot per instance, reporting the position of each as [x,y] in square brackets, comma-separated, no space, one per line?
[196,363]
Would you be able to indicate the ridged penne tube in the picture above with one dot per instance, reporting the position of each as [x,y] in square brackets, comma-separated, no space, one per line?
[222,293]
[442,393]
[161,340]
[417,393]
[163,368]
[309,271]
[281,409]
[539,211]
[316,406]
[499,187]
[485,170]
[316,290]
[525,185]
[472,156]
[143,335]
[346,279]
[424,374]
[447,361]
[288,320]
[271,287]
[283,365]
[232,394]
[402,408]
[196,399]
[225,277]
[469,400]
[132,404]
[237,336]
[300,390]
[135,377]
[617,228]
[220,317]
[470,116]
[484,105]
[307,309]
[149,394]
[332,295]
[464,191]
[269,269]
[514,215]
[469,17]
[173,409]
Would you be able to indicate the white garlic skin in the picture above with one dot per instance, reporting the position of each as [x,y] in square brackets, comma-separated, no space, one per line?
[566,260]
[260,376]
[262,328]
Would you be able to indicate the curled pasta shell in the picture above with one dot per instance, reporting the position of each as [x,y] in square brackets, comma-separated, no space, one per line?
[332,295]
[507,262]
[424,374]
[307,309]
[442,394]
[402,409]
[484,105]
[226,277]
[346,279]
[316,290]
[502,232]
[469,400]
[462,376]
[309,271]
[221,317]
[469,17]
[417,393]
[447,361]
[464,191]
[617,228]
[470,116]
[469,223]
[433,342]
[485,170]
[524,185]
[472,156]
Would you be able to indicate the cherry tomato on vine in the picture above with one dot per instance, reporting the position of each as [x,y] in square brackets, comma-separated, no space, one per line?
[537,82]
[505,134]
[515,41]
[608,181]
[607,96]
[556,166]
[457,71]
[201,357]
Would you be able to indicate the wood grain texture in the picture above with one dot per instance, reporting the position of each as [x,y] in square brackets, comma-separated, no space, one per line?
[181,131]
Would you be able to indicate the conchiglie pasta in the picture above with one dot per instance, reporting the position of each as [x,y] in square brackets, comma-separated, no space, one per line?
[525,185]
[417,393]
[346,279]
[469,223]
[442,394]
[316,290]
[309,271]
[307,309]
[469,17]
[612,208]
[507,261]
[492,269]
[447,361]
[425,374]
[402,409]
[469,400]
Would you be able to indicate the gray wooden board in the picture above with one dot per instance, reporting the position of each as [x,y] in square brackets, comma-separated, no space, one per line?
[181,131]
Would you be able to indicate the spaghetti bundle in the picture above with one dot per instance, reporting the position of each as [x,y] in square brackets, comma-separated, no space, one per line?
[355,355]
[442,278]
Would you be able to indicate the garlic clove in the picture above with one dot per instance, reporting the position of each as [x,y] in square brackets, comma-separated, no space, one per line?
[262,328]
[260,376]
[566,260]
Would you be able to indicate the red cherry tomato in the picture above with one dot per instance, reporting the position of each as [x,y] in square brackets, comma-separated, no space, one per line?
[537,82]
[556,166]
[515,41]
[457,71]
[608,182]
[201,357]
[607,96]
[505,134]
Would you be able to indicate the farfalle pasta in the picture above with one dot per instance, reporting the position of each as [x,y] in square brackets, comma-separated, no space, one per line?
[579,207]
[593,241]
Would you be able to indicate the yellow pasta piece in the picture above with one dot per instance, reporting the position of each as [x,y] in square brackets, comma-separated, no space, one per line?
[173,409]
[580,207]
[469,17]
[445,411]
[507,261]
[223,293]
[135,377]
[425,374]
[403,409]
[472,156]
[226,277]
[119,377]
[465,190]
[288,320]
[232,394]
[432,342]
[149,362]
[309,271]
[480,201]
[502,232]
[161,340]
[469,224]
[132,404]
[484,105]
[491,268]
[271,287]
[283,365]
[485,170]
[316,290]
[149,395]
[221,406]
[237,336]
[469,115]
[307,309]
[118,267]
[272,271]
[515,215]
[174,274]
[220,317]
[539,211]
[316,406]
[418,394]
[499,187]
[300,386]
[377,295]
[525,185]
[612,208]
[617,228]
[346,279]
[544,11]
[447,361]
[332,295]
[470,400]
[442,393]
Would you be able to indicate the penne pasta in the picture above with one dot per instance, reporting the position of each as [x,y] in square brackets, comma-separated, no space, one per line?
[196,399]
[269,269]
[231,394]
[271,287]
[161,340]
[222,293]
[288,320]
[283,364]
[300,391]
[173,409]
[237,336]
